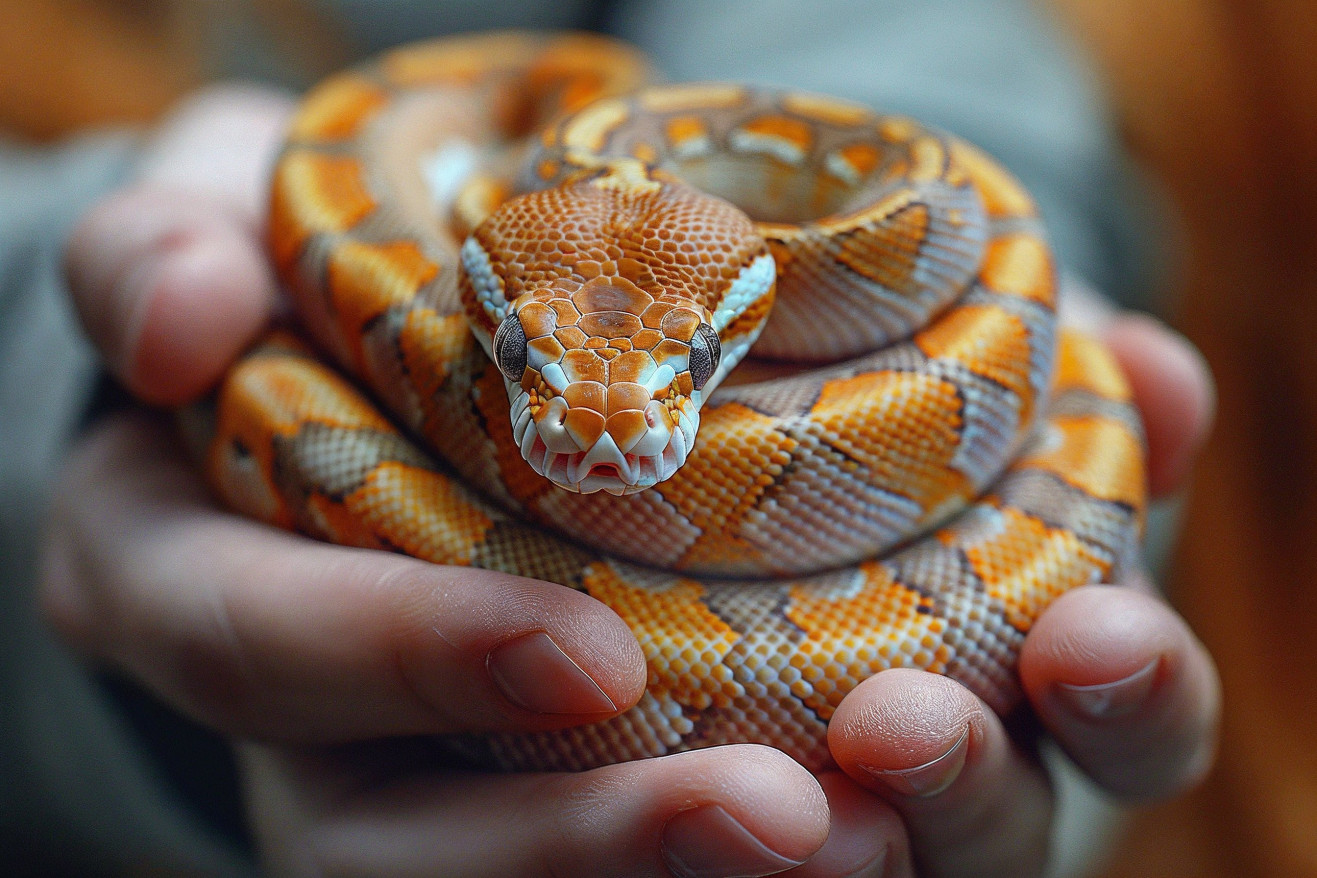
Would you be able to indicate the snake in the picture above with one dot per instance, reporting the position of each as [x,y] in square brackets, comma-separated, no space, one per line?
[776,377]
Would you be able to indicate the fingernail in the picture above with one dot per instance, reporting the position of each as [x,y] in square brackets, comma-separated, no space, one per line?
[931,778]
[536,674]
[1110,700]
[706,842]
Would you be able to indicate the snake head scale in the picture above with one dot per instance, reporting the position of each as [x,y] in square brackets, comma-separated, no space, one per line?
[613,304]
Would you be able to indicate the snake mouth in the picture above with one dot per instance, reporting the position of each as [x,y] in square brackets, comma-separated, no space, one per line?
[621,474]
[555,454]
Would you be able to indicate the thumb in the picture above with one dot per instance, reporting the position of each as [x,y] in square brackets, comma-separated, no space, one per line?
[169,275]
[223,140]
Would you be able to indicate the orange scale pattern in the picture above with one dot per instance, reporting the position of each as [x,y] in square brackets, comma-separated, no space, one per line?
[684,641]
[338,109]
[421,512]
[986,340]
[1028,565]
[314,193]
[792,483]
[365,280]
[902,429]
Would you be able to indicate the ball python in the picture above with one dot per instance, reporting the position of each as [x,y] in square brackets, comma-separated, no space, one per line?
[533,268]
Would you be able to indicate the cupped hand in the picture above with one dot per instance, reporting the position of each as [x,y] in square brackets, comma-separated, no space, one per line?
[1112,674]
[318,652]
[336,660]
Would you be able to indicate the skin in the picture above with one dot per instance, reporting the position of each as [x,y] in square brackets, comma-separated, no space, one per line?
[308,655]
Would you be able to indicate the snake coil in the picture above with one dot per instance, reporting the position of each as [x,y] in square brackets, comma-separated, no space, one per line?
[532,261]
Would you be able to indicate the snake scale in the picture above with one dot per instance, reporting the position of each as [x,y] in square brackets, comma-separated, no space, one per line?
[520,248]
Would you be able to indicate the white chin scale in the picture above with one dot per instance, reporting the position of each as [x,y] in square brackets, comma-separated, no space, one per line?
[604,467]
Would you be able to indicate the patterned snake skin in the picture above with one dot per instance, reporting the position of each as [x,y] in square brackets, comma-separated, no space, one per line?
[515,245]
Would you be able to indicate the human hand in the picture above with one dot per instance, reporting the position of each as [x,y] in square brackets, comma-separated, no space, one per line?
[273,637]
[319,652]
[1111,673]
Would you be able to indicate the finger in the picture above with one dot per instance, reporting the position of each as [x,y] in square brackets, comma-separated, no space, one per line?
[1125,687]
[170,275]
[737,810]
[1172,388]
[266,633]
[866,838]
[972,803]
[222,141]
[170,285]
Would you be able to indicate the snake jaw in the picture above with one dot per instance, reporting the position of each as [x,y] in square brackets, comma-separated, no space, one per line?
[547,445]
[605,380]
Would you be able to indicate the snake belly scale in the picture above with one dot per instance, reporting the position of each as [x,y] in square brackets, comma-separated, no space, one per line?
[529,258]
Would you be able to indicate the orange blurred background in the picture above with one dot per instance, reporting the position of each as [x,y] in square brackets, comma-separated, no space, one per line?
[66,65]
[1218,98]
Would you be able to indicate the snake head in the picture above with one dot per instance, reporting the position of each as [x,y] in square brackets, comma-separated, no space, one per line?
[605,383]
[608,334]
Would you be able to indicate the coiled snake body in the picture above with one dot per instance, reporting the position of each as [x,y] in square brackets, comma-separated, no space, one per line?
[524,253]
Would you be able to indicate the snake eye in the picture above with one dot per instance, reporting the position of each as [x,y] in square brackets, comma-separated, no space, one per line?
[706,351]
[510,347]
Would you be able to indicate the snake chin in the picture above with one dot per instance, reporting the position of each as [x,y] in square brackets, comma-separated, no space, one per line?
[604,467]
[554,453]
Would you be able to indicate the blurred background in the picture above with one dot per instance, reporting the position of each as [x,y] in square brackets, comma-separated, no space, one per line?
[1218,100]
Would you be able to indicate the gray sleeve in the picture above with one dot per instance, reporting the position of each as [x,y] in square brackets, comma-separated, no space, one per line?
[77,795]
[995,72]
[47,368]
